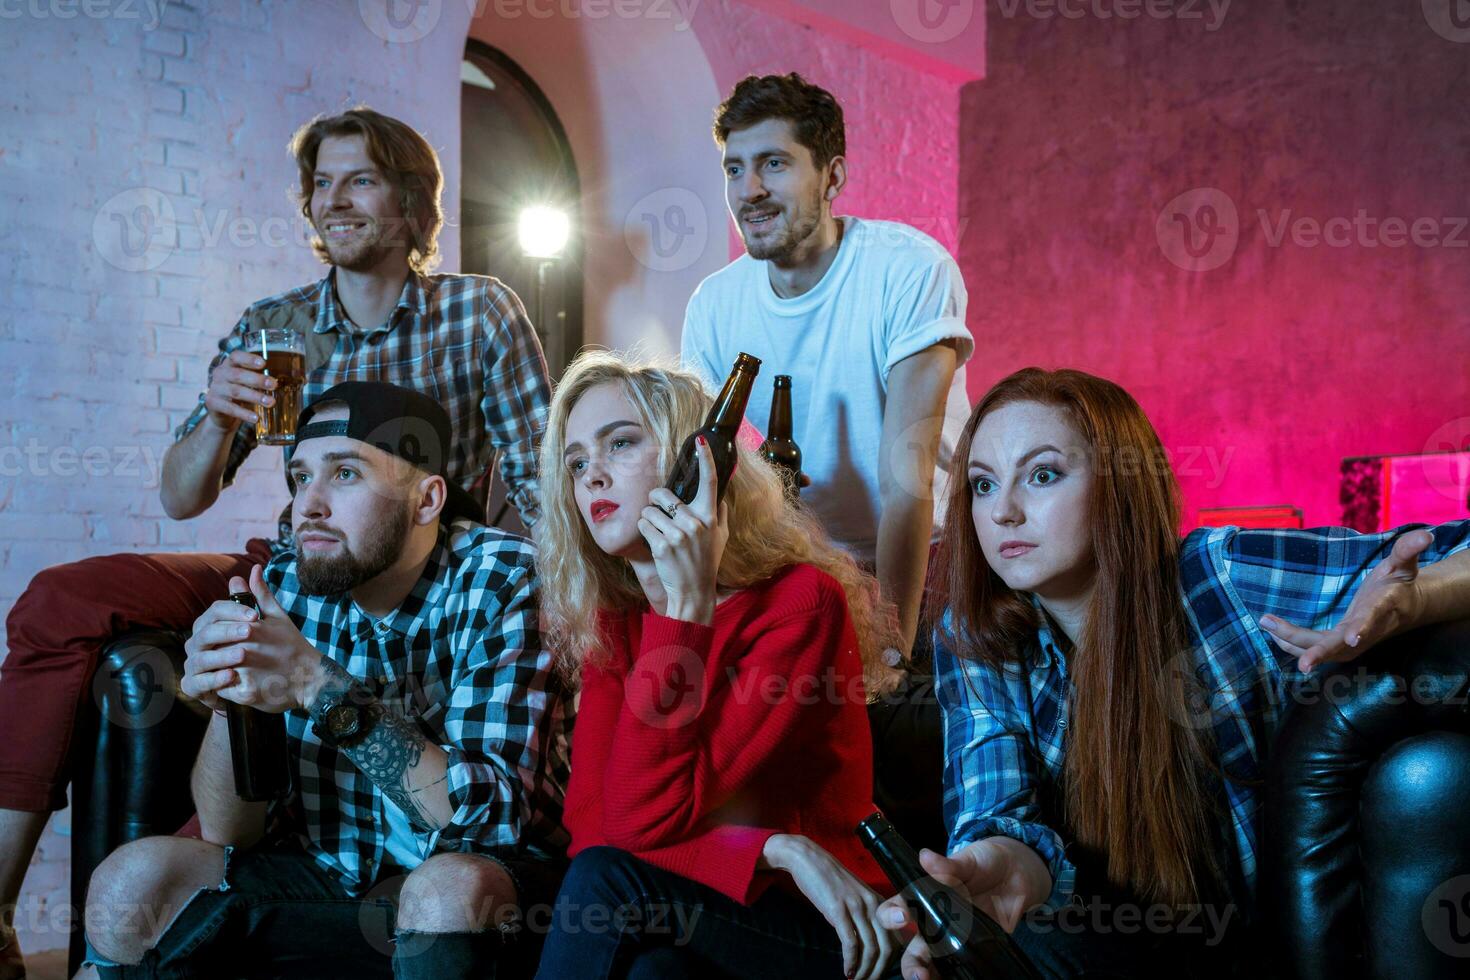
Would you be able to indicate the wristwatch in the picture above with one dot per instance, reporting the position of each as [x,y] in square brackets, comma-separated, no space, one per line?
[343,724]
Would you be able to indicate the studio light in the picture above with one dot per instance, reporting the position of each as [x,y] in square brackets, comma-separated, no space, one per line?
[544,231]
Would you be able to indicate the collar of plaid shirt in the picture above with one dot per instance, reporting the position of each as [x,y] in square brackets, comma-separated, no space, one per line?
[412,301]
[412,614]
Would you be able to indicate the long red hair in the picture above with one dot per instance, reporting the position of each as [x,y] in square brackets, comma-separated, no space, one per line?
[1136,789]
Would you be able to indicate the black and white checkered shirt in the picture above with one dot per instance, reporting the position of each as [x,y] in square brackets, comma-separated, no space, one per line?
[461,658]
[463,340]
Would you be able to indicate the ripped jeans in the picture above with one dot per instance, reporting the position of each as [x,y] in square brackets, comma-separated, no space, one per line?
[280,914]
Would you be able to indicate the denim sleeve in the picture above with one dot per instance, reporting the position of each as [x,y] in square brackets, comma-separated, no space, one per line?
[990,782]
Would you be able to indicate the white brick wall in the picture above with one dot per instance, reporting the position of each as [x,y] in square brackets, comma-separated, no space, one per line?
[110,124]
[198,109]
[115,123]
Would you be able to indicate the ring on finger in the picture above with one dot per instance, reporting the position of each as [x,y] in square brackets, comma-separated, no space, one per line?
[669,511]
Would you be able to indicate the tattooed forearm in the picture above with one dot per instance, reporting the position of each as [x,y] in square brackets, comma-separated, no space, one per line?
[406,767]
[386,756]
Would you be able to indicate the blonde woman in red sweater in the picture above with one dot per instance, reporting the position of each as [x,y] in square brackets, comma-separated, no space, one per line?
[721,756]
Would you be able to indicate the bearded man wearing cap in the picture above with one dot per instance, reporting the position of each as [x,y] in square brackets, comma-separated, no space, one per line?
[426,732]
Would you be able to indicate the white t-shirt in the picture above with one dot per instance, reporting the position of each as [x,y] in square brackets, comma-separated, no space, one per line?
[891,292]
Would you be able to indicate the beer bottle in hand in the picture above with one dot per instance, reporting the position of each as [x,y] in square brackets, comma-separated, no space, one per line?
[964,942]
[780,449]
[258,746]
[719,430]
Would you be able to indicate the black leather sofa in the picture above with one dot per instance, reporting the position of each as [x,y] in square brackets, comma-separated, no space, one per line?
[1365,867]
[131,757]
[1366,847]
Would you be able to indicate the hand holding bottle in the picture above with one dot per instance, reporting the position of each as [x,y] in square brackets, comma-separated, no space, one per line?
[1003,878]
[687,542]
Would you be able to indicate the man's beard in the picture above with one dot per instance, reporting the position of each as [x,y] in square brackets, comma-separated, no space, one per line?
[361,255]
[335,574]
[800,225]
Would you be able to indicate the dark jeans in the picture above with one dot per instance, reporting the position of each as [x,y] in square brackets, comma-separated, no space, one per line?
[280,914]
[617,916]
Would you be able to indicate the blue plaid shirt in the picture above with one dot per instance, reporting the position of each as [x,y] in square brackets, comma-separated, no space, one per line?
[1005,730]
[461,658]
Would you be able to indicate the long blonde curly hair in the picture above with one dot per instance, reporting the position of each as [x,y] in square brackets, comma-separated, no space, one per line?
[767,531]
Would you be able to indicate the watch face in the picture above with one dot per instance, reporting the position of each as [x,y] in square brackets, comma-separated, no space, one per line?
[342,721]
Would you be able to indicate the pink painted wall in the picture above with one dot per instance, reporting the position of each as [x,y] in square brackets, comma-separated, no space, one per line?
[946,38]
[902,122]
[1263,372]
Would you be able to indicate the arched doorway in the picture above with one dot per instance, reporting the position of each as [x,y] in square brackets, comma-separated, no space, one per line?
[514,154]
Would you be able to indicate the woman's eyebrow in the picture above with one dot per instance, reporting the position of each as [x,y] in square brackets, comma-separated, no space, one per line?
[980,464]
[576,447]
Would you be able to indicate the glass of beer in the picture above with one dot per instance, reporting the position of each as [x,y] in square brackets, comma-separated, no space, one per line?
[285,360]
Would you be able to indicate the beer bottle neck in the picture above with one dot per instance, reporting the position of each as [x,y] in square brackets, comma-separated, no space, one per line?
[897,859]
[729,407]
[780,423]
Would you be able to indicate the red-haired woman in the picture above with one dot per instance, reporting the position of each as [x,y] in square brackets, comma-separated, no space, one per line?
[1109,690]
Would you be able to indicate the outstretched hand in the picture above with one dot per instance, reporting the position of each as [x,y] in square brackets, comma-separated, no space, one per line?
[1388,602]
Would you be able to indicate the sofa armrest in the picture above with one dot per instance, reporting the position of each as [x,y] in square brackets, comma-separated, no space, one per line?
[133,748]
[1328,760]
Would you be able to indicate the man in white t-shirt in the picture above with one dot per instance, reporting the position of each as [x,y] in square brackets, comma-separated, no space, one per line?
[868,318]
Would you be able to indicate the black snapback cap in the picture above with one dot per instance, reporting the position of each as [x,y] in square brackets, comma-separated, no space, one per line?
[399,421]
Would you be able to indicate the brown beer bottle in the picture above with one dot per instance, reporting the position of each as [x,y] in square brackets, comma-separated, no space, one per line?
[719,430]
[258,745]
[964,942]
[780,449]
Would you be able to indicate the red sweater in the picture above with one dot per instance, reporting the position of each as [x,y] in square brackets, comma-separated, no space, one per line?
[694,744]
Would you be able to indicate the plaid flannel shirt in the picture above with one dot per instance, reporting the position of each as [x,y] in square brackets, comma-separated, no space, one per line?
[1005,730]
[461,659]
[464,340]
